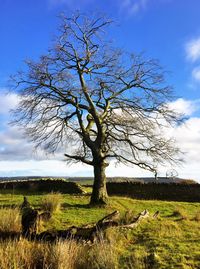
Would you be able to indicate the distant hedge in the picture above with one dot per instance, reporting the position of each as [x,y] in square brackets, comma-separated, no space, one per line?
[47,185]
[156,191]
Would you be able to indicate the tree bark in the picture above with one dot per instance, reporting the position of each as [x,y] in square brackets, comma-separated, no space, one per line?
[99,193]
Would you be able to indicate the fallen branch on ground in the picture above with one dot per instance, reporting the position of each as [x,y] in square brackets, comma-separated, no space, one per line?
[92,232]
[89,232]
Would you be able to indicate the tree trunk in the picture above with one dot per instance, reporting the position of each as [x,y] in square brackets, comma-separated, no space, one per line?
[99,193]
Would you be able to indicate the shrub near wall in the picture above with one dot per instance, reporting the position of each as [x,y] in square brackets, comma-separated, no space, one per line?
[156,191]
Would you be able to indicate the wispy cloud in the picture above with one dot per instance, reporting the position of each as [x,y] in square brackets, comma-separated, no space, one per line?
[193,49]
[133,6]
[196,74]
[130,7]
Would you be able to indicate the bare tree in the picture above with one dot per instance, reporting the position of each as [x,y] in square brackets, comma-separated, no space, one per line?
[99,101]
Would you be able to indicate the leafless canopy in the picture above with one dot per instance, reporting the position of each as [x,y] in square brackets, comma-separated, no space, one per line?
[96,101]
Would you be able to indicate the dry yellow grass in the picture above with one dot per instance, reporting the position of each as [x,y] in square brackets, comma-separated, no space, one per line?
[10,220]
[197,216]
[180,213]
[24,254]
[52,202]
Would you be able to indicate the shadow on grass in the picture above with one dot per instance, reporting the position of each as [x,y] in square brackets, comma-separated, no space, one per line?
[83,206]
[10,206]
[67,205]
[9,235]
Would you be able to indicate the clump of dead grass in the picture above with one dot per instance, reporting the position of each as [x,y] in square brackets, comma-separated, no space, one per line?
[180,213]
[197,216]
[52,202]
[70,254]
[10,220]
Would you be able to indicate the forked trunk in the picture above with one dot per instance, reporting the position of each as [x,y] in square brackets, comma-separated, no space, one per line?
[99,193]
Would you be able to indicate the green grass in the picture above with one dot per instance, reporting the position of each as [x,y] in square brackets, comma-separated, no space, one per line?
[170,241]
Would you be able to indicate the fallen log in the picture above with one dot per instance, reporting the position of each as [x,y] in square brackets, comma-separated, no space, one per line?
[93,232]
[156,214]
[109,218]
[89,232]
[143,215]
[86,233]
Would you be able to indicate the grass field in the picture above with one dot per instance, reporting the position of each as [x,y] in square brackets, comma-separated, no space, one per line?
[170,241]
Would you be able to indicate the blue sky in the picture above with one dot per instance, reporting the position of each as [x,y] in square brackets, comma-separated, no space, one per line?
[168,30]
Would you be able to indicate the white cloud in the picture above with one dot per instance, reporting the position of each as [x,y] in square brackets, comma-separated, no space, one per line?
[42,168]
[188,139]
[7,101]
[17,156]
[126,171]
[187,136]
[193,50]
[13,145]
[185,107]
